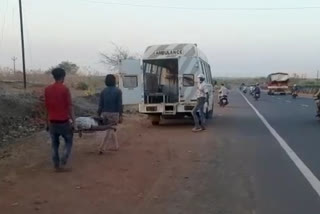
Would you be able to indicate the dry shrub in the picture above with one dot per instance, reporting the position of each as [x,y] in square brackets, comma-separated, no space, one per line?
[82,86]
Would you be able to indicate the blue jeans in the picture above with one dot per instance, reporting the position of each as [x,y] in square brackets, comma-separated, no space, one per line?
[65,131]
[199,119]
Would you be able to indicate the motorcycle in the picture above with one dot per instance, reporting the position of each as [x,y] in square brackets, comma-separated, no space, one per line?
[251,90]
[256,96]
[294,94]
[223,101]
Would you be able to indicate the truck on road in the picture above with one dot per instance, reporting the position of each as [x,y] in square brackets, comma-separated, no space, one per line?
[278,83]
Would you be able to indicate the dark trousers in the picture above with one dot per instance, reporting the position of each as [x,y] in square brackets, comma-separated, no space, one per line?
[199,119]
[65,131]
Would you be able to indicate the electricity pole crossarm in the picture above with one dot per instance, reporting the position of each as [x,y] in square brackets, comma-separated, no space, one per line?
[14,59]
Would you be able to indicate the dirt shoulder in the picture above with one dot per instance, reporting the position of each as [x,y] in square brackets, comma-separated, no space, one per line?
[159,169]
[164,169]
[118,182]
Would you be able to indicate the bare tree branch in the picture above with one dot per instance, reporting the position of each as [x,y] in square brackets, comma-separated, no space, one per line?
[112,59]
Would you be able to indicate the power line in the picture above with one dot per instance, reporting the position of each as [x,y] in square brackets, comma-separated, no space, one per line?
[203,8]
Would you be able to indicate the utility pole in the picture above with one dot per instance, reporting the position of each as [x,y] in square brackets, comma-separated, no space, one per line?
[317,75]
[22,47]
[14,59]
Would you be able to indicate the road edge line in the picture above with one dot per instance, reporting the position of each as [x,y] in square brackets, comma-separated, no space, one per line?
[306,172]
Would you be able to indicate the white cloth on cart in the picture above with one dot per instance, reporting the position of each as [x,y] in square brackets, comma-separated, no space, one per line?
[85,123]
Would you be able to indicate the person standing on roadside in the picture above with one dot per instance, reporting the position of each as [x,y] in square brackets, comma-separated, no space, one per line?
[59,113]
[110,110]
[202,98]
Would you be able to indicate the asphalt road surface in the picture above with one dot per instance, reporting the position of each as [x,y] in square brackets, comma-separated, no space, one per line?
[236,166]
[282,187]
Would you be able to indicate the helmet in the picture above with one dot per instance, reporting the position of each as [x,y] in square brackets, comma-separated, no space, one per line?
[295,85]
[201,76]
[257,84]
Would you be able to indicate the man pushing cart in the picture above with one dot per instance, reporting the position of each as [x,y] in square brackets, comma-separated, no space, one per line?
[62,123]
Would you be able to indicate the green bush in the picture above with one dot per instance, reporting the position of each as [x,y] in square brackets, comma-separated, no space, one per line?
[82,86]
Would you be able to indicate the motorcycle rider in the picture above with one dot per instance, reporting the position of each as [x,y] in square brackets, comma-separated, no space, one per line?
[294,89]
[251,89]
[223,92]
[241,86]
[317,100]
[256,89]
[244,89]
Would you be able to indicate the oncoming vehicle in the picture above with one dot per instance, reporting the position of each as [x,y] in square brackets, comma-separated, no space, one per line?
[223,100]
[278,83]
[170,81]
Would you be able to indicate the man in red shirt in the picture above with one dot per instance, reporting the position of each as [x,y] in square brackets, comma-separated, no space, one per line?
[59,113]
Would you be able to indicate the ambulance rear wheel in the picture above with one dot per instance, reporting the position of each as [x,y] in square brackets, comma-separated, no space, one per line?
[155,123]
[155,120]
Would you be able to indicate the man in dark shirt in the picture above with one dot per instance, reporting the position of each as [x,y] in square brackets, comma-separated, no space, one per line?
[110,100]
[110,109]
[59,113]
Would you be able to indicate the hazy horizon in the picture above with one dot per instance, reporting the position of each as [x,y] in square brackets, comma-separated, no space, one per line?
[238,43]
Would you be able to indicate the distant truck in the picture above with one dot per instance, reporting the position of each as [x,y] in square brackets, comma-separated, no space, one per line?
[278,83]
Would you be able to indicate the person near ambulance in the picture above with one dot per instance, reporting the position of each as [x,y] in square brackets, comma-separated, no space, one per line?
[202,98]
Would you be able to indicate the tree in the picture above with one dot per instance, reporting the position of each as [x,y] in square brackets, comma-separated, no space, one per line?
[69,67]
[112,59]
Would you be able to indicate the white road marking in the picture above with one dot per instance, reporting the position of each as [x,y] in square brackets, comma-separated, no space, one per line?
[288,101]
[279,98]
[311,178]
[304,105]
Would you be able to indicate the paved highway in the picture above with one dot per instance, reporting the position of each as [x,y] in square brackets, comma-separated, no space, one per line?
[248,171]
[282,187]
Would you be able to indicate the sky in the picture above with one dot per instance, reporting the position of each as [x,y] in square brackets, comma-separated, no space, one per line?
[238,43]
